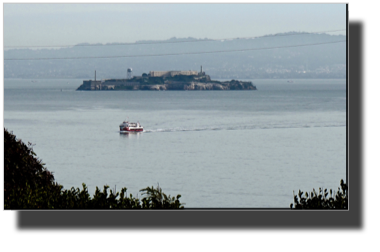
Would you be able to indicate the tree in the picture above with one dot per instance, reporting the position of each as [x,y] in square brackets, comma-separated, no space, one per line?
[23,172]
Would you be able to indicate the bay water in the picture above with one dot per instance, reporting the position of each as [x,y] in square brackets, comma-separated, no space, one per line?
[218,149]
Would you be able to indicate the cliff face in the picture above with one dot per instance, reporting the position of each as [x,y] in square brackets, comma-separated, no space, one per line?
[202,82]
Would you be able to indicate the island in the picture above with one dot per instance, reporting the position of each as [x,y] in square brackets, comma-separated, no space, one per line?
[167,80]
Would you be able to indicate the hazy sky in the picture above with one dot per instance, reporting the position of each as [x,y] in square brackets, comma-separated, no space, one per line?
[69,24]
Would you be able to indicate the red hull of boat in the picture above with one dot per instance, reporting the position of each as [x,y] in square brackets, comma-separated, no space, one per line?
[131,130]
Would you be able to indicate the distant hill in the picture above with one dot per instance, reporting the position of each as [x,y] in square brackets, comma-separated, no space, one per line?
[318,61]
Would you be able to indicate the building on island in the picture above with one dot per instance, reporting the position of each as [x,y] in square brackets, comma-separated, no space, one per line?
[171,73]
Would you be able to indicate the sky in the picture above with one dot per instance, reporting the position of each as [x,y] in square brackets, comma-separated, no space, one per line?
[69,24]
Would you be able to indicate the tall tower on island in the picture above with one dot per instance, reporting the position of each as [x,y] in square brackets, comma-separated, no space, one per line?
[129,73]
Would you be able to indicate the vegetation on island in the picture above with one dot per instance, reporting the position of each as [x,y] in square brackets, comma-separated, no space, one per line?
[29,185]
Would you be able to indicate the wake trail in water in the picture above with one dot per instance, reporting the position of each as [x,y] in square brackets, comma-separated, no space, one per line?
[243,128]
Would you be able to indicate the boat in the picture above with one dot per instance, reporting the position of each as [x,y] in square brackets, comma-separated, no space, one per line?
[127,126]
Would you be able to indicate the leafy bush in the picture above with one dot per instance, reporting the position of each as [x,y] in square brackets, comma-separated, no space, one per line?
[155,198]
[321,200]
[28,184]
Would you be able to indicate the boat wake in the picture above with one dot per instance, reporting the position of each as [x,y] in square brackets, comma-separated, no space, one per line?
[179,129]
[243,128]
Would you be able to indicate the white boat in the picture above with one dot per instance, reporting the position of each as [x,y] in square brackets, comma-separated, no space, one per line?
[127,126]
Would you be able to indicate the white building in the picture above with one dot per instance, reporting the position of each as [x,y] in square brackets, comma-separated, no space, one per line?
[171,73]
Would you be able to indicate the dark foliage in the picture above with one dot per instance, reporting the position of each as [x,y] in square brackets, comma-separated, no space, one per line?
[155,198]
[123,87]
[155,80]
[23,172]
[322,200]
[28,184]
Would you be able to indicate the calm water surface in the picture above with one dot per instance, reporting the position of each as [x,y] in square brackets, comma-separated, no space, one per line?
[217,149]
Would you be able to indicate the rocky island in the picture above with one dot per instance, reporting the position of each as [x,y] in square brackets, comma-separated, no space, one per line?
[167,80]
